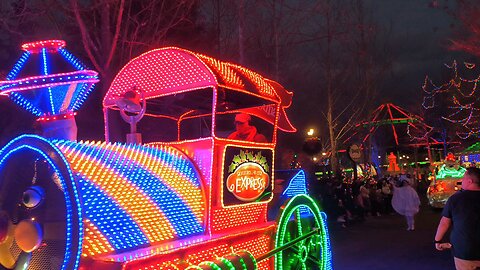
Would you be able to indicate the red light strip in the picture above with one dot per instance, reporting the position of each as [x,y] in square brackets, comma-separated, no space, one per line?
[37,46]
[56,117]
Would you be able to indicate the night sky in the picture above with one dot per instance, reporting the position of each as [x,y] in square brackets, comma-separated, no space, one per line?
[416,35]
[419,35]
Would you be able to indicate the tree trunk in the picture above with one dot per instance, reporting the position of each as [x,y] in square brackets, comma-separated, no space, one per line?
[333,142]
[330,97]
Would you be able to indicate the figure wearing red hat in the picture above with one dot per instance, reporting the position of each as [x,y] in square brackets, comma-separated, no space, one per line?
[244,131]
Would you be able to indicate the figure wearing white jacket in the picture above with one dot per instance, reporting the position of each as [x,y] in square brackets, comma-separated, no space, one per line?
[405,201]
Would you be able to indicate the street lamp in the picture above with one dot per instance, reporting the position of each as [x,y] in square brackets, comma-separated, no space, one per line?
[312,145]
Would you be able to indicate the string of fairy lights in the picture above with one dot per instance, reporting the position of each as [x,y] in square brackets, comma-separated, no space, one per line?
[458,98]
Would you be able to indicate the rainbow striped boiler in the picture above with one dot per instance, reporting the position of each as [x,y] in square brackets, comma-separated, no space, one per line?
[134,196]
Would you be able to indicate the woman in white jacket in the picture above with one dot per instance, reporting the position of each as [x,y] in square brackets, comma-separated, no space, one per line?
[405,201]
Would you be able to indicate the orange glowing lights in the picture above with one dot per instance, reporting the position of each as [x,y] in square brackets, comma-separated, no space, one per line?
[227,218]
[94,242]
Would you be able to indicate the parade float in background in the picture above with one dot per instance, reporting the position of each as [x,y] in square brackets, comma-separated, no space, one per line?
[187,198]
[447,181]
[470,156]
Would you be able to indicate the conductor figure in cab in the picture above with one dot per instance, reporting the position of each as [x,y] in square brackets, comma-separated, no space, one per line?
[244,131]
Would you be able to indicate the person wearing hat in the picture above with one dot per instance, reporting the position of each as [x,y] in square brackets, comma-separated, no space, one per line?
[244,131]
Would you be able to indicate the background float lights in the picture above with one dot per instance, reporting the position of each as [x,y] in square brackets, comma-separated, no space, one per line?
[48,80]
[450,172]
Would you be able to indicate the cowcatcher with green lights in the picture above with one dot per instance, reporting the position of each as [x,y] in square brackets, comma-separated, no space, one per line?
[186,198]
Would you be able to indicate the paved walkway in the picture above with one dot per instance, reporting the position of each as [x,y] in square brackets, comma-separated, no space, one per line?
[384,243]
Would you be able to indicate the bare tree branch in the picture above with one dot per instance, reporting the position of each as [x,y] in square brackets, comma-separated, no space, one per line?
[87,43]
[117,33]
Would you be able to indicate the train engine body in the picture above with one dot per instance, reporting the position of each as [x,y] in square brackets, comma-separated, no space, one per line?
[189,197]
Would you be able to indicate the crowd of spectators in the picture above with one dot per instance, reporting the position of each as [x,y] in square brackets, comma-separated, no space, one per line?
[347,201]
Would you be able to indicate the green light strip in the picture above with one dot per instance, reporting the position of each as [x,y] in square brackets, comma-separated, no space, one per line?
[213,265]
[445,172]
[390,121]
[228,263]
[293,205]
[242,262]
[299,221]
[253,260]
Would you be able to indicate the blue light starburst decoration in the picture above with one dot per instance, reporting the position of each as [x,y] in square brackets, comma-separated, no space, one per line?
[59,87]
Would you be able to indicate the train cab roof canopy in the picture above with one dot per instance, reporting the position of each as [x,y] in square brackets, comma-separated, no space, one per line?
[178,78]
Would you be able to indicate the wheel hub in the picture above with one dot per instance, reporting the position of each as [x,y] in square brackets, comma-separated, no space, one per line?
[303,253]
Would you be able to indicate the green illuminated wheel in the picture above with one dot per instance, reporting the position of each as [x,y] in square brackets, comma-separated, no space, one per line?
[302,236]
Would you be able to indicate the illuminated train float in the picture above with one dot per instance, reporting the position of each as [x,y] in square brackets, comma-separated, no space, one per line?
[189,199]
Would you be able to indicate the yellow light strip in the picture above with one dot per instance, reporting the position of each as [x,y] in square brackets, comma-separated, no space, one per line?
[93,241]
